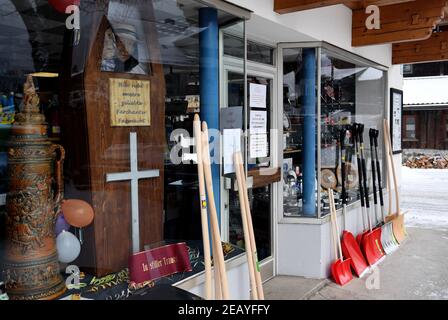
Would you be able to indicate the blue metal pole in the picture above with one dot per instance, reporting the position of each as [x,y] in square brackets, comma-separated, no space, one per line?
[309,132]
[209,89]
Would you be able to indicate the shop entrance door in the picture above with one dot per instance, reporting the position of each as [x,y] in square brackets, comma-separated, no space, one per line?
[259,150]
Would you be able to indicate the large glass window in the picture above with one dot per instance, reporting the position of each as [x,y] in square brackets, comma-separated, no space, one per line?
[351,91]
[118,96]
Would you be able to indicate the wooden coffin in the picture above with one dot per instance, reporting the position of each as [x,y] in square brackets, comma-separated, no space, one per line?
[96,147]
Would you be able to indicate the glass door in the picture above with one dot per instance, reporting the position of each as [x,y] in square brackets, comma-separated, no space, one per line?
[248,102]
[257,148]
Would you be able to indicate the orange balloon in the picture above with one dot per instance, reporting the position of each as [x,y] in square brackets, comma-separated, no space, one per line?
[77,213]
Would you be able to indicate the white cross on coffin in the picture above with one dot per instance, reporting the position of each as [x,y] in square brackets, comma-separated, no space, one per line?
[134,176]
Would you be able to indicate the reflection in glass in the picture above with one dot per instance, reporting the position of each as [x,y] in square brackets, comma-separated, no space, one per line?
[293,131]
[120,53]
[350,92]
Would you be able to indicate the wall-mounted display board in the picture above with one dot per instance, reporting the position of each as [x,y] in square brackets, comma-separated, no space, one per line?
[396,117]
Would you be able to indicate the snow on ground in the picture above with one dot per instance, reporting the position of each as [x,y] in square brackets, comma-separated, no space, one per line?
[424,195]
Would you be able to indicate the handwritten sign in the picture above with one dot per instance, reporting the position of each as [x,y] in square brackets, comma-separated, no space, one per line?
[129,103]
[160,262]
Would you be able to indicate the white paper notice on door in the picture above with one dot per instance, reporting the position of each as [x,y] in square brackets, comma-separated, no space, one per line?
[258,122]
[231,144]
[258,145]
[257,95]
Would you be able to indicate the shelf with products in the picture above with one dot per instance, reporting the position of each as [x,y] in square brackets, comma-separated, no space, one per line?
[338,112]
[348,90]
[292,181]
[293,117]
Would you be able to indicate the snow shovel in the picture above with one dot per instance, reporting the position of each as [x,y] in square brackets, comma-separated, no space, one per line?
[387,221]
[350,248]
[355,129]
[340,269]
[387,237]
[371,240]
[397,219]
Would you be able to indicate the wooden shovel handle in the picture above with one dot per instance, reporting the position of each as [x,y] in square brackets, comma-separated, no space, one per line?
[251,231]
[203,208]
[217,254]
[244,219]
[333,208]
[392,164]
[333,226]
[217,270]
[388,182]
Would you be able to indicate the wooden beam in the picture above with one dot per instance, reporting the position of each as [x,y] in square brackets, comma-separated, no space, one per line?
[433,49]
[362,4]
[288,6]
[399,23]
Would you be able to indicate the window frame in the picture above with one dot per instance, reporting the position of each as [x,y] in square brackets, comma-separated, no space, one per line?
[406,138]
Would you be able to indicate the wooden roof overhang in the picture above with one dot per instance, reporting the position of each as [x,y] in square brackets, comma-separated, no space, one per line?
[416,28]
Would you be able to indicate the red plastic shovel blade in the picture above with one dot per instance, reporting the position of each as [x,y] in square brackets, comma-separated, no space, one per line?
[361,236]
[343,272]
[352,251]
[377,236]
[371,246]
[334,271]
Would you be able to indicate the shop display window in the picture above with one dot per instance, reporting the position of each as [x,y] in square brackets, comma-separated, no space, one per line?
[104,106]
[352,90]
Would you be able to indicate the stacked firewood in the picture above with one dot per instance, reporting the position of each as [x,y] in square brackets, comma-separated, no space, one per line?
[427,162]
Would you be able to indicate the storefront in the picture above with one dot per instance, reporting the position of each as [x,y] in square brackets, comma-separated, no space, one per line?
[284,88]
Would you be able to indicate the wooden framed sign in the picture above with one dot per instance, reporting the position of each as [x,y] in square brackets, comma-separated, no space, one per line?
[130,104]
[396,117]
